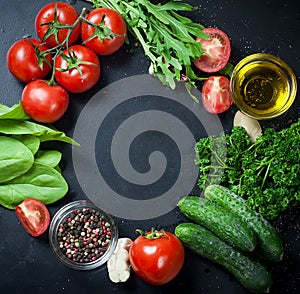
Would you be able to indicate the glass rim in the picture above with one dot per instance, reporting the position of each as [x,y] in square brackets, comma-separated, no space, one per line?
[282,66]
[61,215]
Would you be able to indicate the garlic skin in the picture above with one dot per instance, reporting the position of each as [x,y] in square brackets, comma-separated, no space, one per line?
[118,265]
[250,124]
[151,69]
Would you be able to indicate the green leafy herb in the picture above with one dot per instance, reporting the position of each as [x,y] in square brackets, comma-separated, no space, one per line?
[26,170]
[30,141]
[263,172]
[48,157]
[41,182]
[45,133]
[167,38]
[14,112]
[15,158]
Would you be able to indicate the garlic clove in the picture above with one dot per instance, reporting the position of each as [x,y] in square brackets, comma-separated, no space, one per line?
[250,124]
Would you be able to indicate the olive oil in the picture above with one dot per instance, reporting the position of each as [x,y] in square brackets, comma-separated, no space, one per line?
[262,87]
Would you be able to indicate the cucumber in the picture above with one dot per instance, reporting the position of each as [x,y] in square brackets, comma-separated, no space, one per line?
[251,273]
[228,226]
[269,243]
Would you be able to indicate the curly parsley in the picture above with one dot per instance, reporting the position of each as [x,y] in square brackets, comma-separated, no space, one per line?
[266,173]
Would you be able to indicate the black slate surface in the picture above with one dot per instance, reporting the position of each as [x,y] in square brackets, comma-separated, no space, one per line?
[28,265]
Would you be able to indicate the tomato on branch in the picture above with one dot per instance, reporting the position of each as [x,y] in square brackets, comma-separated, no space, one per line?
[53,21]
[104,31]
[27,60]
[77,69]
[44,102]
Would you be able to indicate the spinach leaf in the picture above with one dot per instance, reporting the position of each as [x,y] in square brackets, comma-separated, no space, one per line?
[41,182]
[15,158]
[58,169]
[32,142]
[25,170]
[48,157]
[45,133]
[14,112]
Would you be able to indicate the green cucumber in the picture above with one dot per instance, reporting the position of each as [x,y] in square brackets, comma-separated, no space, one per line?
[251,273]
[228,226]
[269,243]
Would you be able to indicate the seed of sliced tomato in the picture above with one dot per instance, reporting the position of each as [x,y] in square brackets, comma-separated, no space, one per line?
[216,96]
[217,51]
[33,216]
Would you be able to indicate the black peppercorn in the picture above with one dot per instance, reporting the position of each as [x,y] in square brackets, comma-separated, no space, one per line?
[84,235]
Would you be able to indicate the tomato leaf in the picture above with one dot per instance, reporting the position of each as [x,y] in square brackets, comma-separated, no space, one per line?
[43,182]
[15,158]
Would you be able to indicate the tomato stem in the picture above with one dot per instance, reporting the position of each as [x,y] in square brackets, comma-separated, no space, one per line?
[153,234]
[65,43]
[101,31]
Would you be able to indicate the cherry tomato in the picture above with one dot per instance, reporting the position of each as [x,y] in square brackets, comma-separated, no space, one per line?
[77,69]
[156,257]
[216,96]
[217,51]
[51,15]
[43,102]
[26,61]
[110,33]
[34,216]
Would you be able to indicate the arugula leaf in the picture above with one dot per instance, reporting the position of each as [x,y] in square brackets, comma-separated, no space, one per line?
[167,38]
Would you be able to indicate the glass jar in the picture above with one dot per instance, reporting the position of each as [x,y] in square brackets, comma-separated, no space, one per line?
[263,86]
[82,235]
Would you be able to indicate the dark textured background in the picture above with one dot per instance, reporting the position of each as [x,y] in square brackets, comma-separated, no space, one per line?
[28,265]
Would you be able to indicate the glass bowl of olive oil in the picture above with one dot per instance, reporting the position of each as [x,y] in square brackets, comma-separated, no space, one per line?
[263,86]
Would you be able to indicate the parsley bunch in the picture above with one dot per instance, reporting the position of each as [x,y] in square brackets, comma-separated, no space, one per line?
[167,38]
[266,173]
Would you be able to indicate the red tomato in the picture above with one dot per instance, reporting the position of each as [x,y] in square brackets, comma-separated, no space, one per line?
[43,102]
[77,69]
[217,49]
[157,261]
[216,96]
[46,21]
[26,61]
[110,33]
[33,216]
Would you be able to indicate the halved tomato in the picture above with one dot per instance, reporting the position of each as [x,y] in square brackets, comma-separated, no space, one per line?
[216,96]
[217,51]
[34,216]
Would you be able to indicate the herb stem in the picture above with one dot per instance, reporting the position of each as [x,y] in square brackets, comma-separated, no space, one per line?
[168,39]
